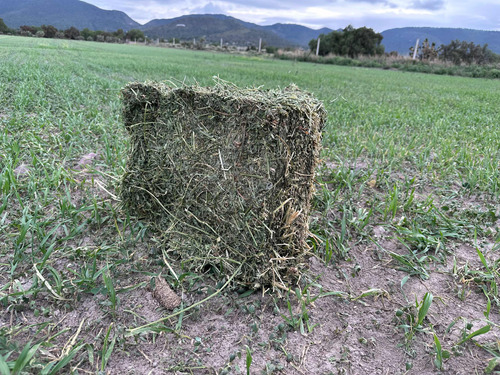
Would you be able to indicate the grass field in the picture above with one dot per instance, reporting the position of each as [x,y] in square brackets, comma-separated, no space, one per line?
[406,265]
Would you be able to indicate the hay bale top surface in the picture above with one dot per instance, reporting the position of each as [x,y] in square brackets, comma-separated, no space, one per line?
[291,97]
[225,174]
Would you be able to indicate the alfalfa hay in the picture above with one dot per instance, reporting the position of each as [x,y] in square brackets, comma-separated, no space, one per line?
[225,174]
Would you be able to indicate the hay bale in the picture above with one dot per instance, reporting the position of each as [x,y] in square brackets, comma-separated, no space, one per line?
[225,174]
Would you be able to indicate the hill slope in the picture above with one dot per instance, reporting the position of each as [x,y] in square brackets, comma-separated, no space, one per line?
[297,34]
[213,28]
[63,14]
[402,39]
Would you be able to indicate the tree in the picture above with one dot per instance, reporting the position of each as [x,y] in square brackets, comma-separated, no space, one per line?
[4,29]
[72,33]
[29,29]
[135,34]
[462,52]
[426,52]
[349,42]
[120,34]
[87,33]
[100,36]
[49,31]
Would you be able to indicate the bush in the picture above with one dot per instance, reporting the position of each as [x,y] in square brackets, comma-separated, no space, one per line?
[493,73]
[270,49]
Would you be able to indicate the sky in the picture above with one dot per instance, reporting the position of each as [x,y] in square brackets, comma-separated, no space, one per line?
[379,15]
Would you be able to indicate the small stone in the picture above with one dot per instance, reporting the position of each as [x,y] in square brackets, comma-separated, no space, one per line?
[87,159]
[21,170]
[379,231]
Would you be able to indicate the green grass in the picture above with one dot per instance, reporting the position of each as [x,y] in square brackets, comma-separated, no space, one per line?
[416,154]
[401,63]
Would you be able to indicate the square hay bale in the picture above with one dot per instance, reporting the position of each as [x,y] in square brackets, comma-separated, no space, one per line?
[225,174]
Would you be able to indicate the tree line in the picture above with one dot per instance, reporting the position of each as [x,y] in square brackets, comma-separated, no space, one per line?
[457,52]
[49,31]
[352,42]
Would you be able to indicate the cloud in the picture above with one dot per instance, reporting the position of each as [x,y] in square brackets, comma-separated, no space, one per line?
[209,8]
[428,4]
[377,14]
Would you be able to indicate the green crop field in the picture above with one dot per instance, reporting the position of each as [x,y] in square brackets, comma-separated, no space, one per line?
[405,263]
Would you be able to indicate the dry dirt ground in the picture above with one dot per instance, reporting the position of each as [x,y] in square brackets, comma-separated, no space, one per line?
[351,335]
[362,321]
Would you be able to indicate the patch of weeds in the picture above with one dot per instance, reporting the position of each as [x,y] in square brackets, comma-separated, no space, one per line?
[85,280]
[468,335]
[248,360]
[411,318]
[411,264]
[55,366]
[111,293]
[277,338]
[107,347]
[427,228]
[24,357]
[231,365]
[494,363]
[391,204]
[328,241]
[441,354]
[487,278]
[301,320]
[272,367]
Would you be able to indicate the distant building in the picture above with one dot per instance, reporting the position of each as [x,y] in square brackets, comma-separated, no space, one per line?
[180,25]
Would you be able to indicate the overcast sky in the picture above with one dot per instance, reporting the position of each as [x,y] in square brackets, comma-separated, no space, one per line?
[379,15]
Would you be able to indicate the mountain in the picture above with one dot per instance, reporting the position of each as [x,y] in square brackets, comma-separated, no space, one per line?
[402,39]
[299,35]
[63,14]
[66,13]
[213,28]
[161,22]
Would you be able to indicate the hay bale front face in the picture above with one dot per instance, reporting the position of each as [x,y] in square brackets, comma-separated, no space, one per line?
[226,175]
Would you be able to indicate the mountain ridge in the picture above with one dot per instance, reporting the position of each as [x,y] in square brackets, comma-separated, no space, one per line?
[213,27]
[63,14]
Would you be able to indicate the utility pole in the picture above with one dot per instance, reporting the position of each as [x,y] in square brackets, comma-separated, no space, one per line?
[220,42]
[317,47]
[415,50]
[260,44]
